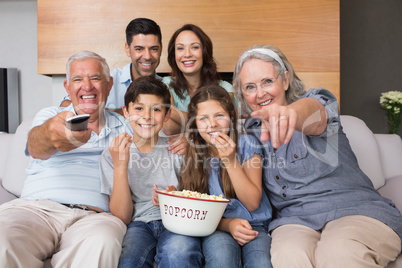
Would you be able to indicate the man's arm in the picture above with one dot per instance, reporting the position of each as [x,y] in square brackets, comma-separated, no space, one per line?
[177,120]
[44,140]
[176,123]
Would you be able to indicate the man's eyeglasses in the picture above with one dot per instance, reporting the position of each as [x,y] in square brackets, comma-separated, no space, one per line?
[251,88]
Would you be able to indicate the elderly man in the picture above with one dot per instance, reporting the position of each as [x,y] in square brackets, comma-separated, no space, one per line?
[61,212]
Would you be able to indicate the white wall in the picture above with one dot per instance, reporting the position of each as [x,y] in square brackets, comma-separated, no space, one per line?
[18,49]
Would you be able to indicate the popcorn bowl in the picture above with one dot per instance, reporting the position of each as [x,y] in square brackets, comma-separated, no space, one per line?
[190,216]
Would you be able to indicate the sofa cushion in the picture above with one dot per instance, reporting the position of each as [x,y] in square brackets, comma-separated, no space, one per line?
[365,147]
[17,162]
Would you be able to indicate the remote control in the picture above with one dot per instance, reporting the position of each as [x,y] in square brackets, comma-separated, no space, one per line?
[78,122]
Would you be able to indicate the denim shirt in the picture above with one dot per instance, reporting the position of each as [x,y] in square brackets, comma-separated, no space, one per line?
[247,147]
[316,179]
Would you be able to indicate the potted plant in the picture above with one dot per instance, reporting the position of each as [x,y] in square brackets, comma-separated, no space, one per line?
[391,102]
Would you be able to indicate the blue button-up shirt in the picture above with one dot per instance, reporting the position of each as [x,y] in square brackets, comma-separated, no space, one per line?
[121,81]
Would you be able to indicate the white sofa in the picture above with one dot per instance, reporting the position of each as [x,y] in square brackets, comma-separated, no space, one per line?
[379,156]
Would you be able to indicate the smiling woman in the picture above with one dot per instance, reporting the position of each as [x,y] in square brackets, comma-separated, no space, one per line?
[190,55]
[321,195]
[259,77]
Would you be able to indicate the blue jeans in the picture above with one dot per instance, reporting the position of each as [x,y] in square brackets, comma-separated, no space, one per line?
[221,250]
[176,250]
[145,242]
[139,244]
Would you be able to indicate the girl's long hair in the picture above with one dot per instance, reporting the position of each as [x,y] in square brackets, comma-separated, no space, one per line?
[196,165]
[209,70]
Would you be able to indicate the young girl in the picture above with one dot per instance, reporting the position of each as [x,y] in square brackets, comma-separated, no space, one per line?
[214,164]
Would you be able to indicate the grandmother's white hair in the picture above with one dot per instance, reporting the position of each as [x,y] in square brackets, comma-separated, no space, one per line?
[296,86]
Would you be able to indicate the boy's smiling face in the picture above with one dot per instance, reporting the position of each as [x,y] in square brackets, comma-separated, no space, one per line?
[147,115]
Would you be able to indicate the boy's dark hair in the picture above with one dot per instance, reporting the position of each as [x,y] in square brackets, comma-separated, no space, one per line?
[147,85]
[142,26]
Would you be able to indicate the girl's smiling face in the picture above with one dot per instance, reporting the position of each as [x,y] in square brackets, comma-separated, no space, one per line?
[188,53]
[270,87]
[212,119]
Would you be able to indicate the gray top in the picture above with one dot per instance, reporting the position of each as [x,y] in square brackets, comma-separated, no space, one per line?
[316,179]
[159,167]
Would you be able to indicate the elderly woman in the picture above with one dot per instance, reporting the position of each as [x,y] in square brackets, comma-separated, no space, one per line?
[328,212]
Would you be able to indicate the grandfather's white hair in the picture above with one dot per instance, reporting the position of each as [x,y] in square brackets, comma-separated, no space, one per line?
[83,55]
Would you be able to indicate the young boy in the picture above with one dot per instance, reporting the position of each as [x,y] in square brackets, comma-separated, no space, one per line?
[133,165]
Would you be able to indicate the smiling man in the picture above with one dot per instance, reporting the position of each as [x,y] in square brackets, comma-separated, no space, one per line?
[144,47]
[61,213]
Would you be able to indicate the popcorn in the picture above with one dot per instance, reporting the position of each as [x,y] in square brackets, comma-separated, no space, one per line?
[197,195]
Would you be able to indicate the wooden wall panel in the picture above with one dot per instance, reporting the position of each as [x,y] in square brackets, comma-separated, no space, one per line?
[327,80]
[307,31]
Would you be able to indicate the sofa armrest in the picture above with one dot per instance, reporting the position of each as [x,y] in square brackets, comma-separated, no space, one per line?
[390,148]
[5,196]
[392,190]
[365,147]
[17,161]
[5,141]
